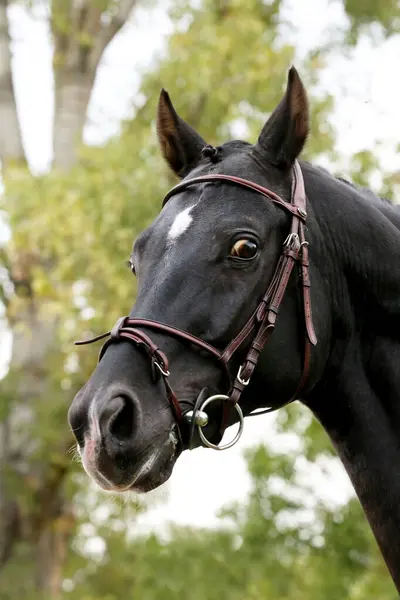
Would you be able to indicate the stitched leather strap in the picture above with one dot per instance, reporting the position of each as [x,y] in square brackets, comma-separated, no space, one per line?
[261,323]
[295,209]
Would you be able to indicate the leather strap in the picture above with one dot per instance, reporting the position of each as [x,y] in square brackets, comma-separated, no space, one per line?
[263,319]
[296,209]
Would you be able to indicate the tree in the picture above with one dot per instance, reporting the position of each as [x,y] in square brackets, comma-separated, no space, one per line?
[270,547]
[364,14]
[81,31]
[72,229]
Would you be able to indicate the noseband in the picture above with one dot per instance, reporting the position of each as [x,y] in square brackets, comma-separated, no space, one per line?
[260,325]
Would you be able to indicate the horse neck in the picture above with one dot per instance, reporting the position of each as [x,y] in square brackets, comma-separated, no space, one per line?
[358,402]
[368,446]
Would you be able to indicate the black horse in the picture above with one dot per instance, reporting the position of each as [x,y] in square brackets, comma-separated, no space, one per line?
[204,266]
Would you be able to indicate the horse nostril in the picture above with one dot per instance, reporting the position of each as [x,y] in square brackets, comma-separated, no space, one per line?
[118,418]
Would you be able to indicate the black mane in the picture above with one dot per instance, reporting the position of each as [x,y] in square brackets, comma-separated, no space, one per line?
[389,209]
[364,191]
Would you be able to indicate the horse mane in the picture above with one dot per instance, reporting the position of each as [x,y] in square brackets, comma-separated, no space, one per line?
[366,192]
[391,210]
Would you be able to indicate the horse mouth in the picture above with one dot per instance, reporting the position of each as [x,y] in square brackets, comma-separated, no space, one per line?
[154,470]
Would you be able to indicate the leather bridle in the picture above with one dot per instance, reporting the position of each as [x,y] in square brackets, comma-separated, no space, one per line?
[260,325]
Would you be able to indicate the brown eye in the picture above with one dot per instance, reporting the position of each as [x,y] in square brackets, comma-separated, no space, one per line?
[244,249]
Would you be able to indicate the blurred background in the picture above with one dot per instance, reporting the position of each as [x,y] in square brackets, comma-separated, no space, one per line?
[274,517]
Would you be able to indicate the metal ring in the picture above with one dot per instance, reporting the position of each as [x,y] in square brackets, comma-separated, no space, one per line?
[203,438]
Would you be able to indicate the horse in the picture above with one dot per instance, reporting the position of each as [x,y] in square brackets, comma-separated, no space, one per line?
[263,280]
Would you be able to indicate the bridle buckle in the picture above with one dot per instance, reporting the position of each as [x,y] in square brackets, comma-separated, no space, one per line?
[240,379]
[292,241]
[161,369]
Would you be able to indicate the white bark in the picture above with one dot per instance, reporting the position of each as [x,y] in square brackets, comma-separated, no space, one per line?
[71,100]
[10,136]
[35,327]
[11,150]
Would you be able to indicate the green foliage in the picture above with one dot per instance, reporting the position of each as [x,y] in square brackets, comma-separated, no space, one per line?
[384,12]
[271,547]
[225,68]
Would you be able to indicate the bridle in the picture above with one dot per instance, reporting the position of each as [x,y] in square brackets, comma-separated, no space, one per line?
[260,325]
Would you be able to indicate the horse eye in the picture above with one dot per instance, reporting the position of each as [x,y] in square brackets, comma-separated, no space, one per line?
[131,266]
[244,249]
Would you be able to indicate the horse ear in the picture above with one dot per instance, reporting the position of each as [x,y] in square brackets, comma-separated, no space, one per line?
[284,134]
[180,144]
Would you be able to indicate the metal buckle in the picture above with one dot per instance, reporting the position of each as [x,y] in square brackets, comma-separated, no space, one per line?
[293,240]
[238,435]
[159,367]
[239,378]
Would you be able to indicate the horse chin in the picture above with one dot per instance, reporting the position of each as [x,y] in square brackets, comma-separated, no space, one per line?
[152,481]
[150,476]
[154,469]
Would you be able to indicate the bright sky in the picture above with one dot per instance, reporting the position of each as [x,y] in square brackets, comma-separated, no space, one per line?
[366,86]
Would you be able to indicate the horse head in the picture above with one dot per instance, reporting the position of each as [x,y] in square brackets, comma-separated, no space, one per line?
[223,266]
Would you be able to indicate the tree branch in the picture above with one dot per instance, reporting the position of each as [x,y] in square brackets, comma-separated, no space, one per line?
[80,39]
[108,32]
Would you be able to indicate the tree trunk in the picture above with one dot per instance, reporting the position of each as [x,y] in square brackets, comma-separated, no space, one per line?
[72,97]
[11,149]
[80,38]
[52,551]
[10,135]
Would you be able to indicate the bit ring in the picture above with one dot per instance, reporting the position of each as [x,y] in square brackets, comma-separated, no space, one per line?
[238,435]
